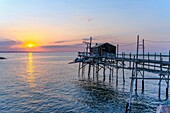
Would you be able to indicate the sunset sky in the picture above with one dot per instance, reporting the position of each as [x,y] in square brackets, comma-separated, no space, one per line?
[63,25]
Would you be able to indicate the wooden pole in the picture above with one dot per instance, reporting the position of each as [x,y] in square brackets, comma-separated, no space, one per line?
[167,88]
[117,73]
[93,71]
[117,65]
[137,47]
[90,45]
[112,71]
[131,88]
[154,59]
[104,70]
[143,66]
[90,54]
[110,68]
[79,69]
[123,71]
[161,62]
[97,70]
[83,68]
[89,70]
[130,60]
[136,64]
[148,60]
[159,93]
[117,50]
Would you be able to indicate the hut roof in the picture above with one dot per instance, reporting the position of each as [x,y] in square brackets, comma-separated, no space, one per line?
[100,44]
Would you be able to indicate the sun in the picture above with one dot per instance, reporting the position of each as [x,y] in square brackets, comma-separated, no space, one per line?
[30,45]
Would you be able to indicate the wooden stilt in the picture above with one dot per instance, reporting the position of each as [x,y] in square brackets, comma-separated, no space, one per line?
[154,59]
[136,74]
[159,92]
[131,93]
[110,68]
[167,88]
[112,72]
[97,71]
[79,69]
[123,71]
[93,71]
[117,71]
[117,65]
[130,60]
[89,70]
[143,74]
[161,62]
[131,89]
[83,69]
[148,60]
[104,69]
[136,64]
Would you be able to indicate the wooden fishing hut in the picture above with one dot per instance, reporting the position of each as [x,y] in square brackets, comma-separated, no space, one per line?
[103,49]
[106,57]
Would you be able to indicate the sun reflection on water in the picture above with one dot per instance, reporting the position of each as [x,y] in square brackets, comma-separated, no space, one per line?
[30,71]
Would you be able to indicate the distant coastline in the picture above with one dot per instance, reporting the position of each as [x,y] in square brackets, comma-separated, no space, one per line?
[21,52]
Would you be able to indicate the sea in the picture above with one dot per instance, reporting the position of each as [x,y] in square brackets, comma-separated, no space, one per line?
[45,82]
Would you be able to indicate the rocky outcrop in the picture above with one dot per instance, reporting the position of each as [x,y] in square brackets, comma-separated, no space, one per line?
[2,58]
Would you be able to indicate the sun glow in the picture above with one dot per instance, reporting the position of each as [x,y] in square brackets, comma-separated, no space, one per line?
[30,71]
[30,45]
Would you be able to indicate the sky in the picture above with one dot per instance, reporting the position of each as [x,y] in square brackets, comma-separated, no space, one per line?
[63,25]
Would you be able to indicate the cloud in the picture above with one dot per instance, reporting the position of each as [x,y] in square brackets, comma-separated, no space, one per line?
[9,43]
[3,38]
[63,41]
[72,40]
[5,42]
[63,48]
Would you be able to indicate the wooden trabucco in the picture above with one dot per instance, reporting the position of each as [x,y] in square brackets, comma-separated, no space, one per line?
[139,63]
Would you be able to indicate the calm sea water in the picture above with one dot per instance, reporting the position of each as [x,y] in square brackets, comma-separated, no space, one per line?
[44,82]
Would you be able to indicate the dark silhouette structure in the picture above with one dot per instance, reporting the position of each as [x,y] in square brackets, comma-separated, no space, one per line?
[2,58]
[103,49]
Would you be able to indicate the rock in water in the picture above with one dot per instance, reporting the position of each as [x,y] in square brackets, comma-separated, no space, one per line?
[2,58]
